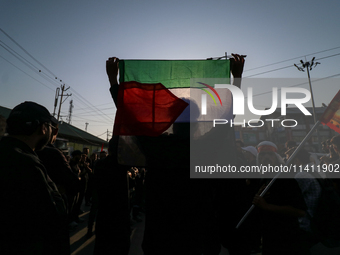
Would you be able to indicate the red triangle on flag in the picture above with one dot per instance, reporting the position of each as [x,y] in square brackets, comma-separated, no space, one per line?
[146,109]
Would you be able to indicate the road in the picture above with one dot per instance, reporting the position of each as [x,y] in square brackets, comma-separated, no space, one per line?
[80,245]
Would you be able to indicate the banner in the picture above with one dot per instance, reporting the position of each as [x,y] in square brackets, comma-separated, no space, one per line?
[331,116]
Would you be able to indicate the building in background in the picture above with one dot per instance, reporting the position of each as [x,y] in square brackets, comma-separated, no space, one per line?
[251,135]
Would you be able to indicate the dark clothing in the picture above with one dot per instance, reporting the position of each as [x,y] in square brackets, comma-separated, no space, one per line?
[179,216]
[281,233]
[334,176]
[113,219]
[57,166]
[234,198]
[33,215]
[59,170]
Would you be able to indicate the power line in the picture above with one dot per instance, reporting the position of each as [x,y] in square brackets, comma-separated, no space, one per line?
[92,120]
[303,83]
[277,69]
[26,73]
[27,63]
[94,107]
[291,59]
[27,52]
[36,69]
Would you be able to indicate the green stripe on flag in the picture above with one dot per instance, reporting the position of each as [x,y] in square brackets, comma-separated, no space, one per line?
[172,73]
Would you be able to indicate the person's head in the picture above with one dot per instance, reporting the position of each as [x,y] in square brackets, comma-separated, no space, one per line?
[239,144]
[267,153]
[113,145]
[86,151]
[301,158]
[83,157]
[250,153]
[55,131]
[76,156]
[290,144]
[335,141]
[325,147]
[31,123]
[102,154]
[94,156]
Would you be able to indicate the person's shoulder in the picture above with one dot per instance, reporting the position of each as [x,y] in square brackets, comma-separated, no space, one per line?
[17,152]
[336,161]
[21,164]
[50,150]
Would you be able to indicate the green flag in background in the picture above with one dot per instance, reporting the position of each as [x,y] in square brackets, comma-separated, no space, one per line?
[172,73]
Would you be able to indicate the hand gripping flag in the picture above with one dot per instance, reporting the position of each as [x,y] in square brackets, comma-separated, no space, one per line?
[331,116]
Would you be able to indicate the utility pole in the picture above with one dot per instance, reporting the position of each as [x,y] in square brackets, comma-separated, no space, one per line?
[309,66]
[107,135]
[86,124]
[61,98]
[70,112]
[56,100]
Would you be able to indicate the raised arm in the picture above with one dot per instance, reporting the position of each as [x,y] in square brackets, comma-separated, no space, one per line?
[237,64]
[112,68]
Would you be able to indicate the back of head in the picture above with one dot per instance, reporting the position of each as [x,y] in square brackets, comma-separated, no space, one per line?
[26,117]
[76,153]
[267,154]
[290,144]
[336,140]
[303,156]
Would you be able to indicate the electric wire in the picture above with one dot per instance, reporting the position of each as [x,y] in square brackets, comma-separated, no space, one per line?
[26,73]
[87,103]
[291,59]
[300,84]
[27,52]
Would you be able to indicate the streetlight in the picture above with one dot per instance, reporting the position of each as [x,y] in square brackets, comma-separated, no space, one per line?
[309,66]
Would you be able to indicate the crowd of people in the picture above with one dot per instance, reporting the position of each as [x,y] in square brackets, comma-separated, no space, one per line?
[182,215]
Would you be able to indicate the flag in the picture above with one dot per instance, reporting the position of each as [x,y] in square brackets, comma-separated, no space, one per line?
[172,73]
[153,94]
[146,109]
[331,116]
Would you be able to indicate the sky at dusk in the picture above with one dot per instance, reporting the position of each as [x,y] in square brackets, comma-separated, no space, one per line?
[71,40]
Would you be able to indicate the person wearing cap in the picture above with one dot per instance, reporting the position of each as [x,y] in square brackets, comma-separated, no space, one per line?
[33,215]
[250,154]
[281,208]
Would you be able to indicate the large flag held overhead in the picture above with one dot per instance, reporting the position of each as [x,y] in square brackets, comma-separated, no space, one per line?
[172,73]
[150,92]
[331,116]
[153,94]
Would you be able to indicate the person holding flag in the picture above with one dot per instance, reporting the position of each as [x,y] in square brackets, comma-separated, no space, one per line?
[280,209]
[180,218]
